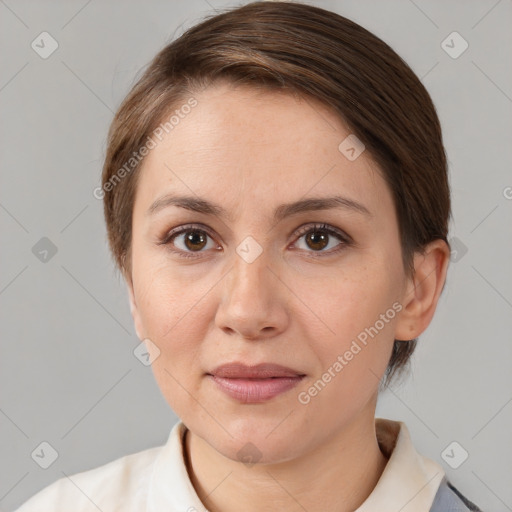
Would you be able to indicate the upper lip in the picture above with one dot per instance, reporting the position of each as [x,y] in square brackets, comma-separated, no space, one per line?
[238,370]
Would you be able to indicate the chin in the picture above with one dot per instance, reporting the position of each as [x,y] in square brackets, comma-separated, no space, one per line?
[259,451]
[253,440]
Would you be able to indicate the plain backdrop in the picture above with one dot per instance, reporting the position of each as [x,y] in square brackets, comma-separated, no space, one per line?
[68,373]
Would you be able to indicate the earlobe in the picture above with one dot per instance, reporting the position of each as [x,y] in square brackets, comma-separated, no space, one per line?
[423,290]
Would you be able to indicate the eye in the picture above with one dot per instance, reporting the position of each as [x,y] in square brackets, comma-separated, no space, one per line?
[320,236]
[188,240]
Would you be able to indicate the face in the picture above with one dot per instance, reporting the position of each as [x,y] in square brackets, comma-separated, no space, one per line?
[251,281]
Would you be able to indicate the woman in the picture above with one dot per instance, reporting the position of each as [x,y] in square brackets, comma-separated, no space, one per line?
[276,197]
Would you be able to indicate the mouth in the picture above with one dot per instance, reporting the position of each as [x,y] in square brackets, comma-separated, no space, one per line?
[254,384]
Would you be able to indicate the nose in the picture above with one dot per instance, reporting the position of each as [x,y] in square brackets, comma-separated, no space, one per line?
[253,302]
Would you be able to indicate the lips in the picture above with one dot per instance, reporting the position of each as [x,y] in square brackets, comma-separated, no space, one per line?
[254,384]
[259,371]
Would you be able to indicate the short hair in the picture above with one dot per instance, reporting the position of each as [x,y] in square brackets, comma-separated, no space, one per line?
[315,53]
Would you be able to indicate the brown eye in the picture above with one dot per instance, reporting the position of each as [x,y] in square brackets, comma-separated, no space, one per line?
[317,240]
[195,240]
[188,240]
[319,237]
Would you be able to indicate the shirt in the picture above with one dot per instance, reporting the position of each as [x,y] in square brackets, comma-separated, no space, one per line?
[156,480]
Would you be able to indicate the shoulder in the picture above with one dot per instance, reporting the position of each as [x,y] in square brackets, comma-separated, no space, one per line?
[120,485]
[450,499]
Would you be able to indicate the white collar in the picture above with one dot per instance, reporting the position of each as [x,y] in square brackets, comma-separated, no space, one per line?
[408,483]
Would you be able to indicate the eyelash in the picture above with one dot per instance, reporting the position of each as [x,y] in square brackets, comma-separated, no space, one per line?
[304,230]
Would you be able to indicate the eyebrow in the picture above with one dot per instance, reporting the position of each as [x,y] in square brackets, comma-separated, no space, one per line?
[199,205]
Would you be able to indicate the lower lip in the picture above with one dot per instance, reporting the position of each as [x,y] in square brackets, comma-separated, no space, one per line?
[255,390]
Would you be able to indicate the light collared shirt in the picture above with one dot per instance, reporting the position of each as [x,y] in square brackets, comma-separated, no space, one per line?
[156,480]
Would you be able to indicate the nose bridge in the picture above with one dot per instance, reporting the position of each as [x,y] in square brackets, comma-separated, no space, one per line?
[250,301]
[249,278]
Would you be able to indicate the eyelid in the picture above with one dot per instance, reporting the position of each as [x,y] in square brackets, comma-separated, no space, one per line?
[299,232]
[322,226]
[167,236]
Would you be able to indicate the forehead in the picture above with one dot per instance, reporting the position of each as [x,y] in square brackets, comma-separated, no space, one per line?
[259,145]
[229,118]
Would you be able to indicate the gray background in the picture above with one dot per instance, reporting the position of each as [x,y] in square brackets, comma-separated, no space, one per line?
[68,374]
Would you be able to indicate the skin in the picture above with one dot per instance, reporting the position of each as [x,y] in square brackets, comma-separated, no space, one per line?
[249,151]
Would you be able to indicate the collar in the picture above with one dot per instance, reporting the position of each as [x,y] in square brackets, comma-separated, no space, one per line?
[408,483]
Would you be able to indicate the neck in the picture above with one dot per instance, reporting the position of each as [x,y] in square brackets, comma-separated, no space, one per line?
[338,475]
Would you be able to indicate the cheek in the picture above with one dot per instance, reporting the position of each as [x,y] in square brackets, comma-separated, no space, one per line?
[167,303]
[360,312]
[353,359]
[169,306]
[166,294]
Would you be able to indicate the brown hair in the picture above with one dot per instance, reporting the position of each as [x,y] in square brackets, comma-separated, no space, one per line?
[303,50]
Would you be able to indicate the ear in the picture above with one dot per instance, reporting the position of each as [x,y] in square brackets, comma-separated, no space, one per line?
[422,290]
[137,322]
